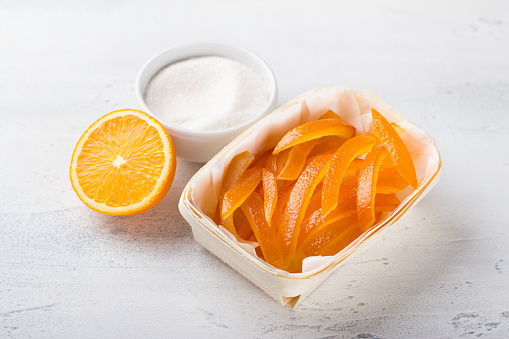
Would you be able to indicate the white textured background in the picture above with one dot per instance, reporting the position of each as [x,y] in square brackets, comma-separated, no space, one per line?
[66,271]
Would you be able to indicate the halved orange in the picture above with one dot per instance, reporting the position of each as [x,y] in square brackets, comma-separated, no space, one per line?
[123,164]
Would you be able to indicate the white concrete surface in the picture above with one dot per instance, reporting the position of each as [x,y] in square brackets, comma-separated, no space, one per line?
[66,271]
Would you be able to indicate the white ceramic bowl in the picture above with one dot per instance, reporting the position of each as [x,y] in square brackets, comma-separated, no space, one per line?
[201,146]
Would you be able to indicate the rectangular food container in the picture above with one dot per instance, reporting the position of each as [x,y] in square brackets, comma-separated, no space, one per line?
[199,197]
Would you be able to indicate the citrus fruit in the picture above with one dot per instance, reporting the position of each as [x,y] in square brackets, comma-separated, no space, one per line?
[123,164]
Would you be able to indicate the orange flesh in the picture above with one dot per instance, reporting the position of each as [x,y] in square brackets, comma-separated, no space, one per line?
[314,130]
[350,150]
[265,235]
[396,148]
[129,142]
[366,189]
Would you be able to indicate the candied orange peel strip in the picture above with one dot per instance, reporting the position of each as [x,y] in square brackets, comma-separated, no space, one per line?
[298,202]
[296,160]
[350,150]
[269,194]
[236,195]
[314,130]
[237,166]
[265,235]
[366,189]
[395,146]
[329,115]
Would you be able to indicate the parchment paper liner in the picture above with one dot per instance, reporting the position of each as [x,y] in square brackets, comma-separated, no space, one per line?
[199,197]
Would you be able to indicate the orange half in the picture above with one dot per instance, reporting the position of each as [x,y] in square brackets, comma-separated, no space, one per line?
[123,164]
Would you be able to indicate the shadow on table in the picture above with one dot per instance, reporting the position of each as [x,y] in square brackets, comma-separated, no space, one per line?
[164,221]
[440,248]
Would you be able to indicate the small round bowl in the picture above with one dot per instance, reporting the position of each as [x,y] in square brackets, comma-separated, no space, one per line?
[201,146]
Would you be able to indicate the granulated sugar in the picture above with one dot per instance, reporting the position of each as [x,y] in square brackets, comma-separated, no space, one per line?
[206,93]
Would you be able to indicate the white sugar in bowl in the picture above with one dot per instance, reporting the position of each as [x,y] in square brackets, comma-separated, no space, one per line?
[192,114]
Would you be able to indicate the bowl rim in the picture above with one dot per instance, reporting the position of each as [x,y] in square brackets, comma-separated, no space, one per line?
[227,51]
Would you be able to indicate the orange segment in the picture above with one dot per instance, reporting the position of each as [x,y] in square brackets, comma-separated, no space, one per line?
[396,148]
[236,195]
[298,202]
[366,189]
[265,235]
[314,130]
[269,194]
[350,150]
[123,164]
[296,160]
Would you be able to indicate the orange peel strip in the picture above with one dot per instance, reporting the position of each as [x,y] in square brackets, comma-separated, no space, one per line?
[390,181]
[236,195]
[329,115]
[298,202]
[327,145]
[350,150]
[276,161]
[282,201]
[366,189]
[396,147]
[242,226]
[314,130]
[296,160]
[336,230]
[237,166]
[348,232]
[269,194]
[261,159]
[265,235]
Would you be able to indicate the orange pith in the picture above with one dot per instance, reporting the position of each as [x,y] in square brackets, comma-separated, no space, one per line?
[318,189]
[123,164]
